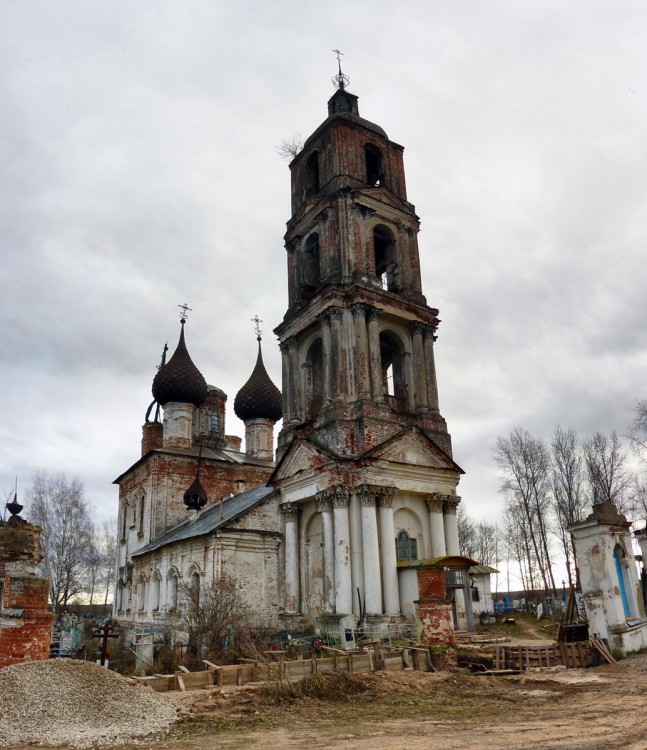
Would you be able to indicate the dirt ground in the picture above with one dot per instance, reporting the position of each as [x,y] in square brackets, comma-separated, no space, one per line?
[601,708]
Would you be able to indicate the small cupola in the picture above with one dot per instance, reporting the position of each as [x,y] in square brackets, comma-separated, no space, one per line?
[258,404]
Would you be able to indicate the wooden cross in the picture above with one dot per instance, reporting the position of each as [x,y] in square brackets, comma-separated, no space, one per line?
[103,632]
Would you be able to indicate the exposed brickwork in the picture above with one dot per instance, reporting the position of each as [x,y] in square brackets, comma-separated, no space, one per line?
[433,611]
[25,623]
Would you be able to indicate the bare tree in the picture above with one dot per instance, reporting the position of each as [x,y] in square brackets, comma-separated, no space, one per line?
[569,500]
[486,543]
[638,431]
[518,545]
[108,556]
[525,463]
[214,615]
[100,564]
[290,147]
[60,508]
[606,468]
[466,532]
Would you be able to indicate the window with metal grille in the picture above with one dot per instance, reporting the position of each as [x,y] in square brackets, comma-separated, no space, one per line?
[454,578]
[406,547]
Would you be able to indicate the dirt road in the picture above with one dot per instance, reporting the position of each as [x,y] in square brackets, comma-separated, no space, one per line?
[596,709]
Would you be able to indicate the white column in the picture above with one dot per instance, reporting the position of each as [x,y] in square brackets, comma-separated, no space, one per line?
[324,506]
[337,365]
[375,357]
[326,355]
[291,515]
[294,380]
[343,580]
[435,505]
[362,360]
[370,541]
[285,381]
[390,585]
[419,367]
[430,367]
[357,552]
[450,522]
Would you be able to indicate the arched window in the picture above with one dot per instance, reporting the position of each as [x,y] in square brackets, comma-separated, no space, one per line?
[312,174]
[313,373]
[393,372]
[124,521]
[157,586]
[195,588]
[406,548]
[619,556]
[142,500]
[142,594]
[386,267]
[311,265]
[373,157]
[171,591]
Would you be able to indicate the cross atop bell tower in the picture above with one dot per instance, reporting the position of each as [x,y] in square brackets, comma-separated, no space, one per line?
[358,337]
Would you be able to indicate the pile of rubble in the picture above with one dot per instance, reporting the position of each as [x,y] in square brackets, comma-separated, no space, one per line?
[75,703]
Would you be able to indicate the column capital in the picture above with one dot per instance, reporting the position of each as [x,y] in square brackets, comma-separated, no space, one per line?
[386,495]
[359,309]
[291,343]
[323,501]
[450,504]
[322,216]
[367,493]
[365,211]
[283,347]
[373,313]
[336,313]
[323,317]
[429,332]
[340,496]
[435,502]
[417,328]
[290,511]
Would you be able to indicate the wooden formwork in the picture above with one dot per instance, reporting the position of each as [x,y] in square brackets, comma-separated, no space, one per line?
[253,671]
[576,655]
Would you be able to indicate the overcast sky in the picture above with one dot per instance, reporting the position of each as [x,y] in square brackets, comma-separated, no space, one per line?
[139,171]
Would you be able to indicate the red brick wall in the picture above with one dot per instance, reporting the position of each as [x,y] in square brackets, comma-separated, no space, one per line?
[24,636]
[433,611]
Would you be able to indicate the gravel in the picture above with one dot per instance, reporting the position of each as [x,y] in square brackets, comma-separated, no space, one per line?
[76,703]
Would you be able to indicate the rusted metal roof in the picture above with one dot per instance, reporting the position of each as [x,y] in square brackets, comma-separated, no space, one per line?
[210,518]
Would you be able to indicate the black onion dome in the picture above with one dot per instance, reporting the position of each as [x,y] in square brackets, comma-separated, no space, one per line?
[259,398]
[179,379]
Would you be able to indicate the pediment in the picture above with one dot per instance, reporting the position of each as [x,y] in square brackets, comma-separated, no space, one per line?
[301,456]
[413,448]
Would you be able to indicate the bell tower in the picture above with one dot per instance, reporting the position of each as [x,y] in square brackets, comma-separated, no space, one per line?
[357,340]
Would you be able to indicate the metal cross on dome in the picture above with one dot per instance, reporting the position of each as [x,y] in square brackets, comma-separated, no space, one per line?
[185,309]
[340,80]
[257,328]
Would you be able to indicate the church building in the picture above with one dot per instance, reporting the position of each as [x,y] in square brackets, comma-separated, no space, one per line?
[364,481]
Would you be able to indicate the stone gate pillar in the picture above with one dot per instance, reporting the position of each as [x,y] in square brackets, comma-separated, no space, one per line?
[25,623]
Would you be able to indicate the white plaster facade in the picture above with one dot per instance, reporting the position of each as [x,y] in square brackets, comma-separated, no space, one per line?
[609,578]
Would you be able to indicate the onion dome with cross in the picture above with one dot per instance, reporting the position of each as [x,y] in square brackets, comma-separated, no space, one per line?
[179,380]
[259,398]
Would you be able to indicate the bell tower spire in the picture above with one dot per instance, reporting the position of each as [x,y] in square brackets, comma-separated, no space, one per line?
[358,336]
